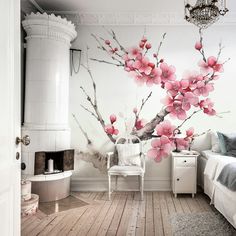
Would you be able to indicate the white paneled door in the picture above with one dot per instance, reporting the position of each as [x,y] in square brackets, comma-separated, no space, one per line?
[9,117]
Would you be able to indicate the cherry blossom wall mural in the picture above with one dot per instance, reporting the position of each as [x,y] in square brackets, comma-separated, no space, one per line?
[185,97]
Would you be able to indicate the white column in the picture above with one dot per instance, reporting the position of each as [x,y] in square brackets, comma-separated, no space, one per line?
[47,84]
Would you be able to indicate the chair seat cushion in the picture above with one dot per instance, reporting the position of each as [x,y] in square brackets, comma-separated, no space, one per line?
[126,170]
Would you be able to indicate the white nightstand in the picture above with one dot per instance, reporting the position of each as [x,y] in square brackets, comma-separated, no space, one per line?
[184,172]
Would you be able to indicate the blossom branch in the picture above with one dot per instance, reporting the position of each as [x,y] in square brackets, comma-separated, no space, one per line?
[86,109]
[82,130]
[88,97]
[223,112]
[137,114]
[220,50]
[146,132]
[181,94]
[106,62]
[202,50]
[104,49]
[205,132]
[113,35]
[94,84]
[143,103]
[116,53]
[159,47]
[219,53]
[188,118]
[94,104]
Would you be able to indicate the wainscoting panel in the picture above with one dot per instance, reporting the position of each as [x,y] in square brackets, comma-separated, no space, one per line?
[122,184]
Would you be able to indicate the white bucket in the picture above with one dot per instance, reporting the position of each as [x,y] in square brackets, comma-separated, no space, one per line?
[25,190]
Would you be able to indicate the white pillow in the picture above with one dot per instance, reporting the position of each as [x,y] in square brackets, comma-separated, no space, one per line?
[129,154]
[215,143]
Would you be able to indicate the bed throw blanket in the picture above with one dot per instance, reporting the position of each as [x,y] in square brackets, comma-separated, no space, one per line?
[227,176]
[211,167]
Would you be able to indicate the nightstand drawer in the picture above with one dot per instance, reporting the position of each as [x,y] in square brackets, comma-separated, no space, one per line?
[185,161]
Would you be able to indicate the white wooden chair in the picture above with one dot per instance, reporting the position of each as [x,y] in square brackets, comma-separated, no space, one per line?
[131,148]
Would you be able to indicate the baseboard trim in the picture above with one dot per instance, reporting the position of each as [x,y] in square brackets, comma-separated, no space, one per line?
[123,184]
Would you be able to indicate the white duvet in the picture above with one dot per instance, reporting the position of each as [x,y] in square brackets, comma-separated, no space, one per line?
[214,166]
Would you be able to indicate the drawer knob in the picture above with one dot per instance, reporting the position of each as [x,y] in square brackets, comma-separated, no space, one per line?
[178,179]
[185,161]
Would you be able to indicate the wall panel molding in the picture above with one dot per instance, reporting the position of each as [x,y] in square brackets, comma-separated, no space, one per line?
[123,184]
[136,18]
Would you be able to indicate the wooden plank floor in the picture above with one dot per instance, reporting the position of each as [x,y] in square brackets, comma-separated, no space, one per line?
[125,214]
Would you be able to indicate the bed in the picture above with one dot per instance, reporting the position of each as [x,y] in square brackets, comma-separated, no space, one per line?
[210,165]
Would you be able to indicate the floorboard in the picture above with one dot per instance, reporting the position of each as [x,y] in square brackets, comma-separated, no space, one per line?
[125,214]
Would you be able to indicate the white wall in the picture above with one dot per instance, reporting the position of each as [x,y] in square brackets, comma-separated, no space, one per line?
[118,93]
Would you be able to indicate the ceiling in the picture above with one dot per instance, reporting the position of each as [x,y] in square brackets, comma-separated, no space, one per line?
[126,12]
[111,5]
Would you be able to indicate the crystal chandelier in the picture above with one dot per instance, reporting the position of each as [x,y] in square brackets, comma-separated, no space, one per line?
[205,12]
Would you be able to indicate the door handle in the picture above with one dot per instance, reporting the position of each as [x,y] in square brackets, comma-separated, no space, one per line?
[23,166]
[25,140]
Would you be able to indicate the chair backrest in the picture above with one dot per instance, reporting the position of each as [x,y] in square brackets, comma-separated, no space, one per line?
[129,139]
[129,150]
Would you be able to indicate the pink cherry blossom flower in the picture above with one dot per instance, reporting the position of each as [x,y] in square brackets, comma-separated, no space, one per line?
[218,68]
[184,84]
[152,65]
[190,132]
[113,118]
[176,110]
[142,65]
[110,129]
[139,79]
[211,65]
[211,61]
[135,110]
[192,76]
[168,72]
[207,107]
[113,50]
[198,46]
[129,65]
[167,101]
[134,52]
[141,44]
[190,79]
[144,39]
[204,67]
[203,88]
[165,128]
[188,100]
[154,77]
[181,143]
[161,148]
[140,123]
[174,107]
[107,42]
[173,87]
[148,46]
[116,131]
